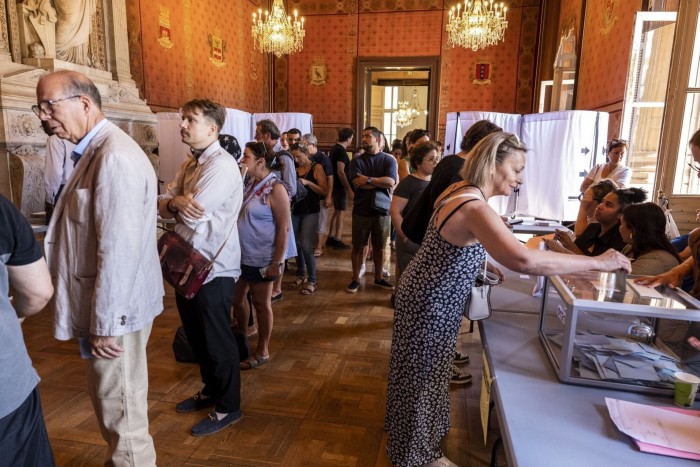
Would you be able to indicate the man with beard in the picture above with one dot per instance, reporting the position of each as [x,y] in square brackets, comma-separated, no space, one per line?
[373,174]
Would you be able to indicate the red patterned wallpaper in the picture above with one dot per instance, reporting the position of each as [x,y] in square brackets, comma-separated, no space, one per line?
[400,34]
[458,66]
[332,39]
[570,16]
[603,68]
[185,71]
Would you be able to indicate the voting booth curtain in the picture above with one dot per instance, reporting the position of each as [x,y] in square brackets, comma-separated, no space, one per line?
[172,151]
[562,148]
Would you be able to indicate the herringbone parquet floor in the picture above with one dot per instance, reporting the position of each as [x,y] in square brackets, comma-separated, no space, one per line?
[319,402]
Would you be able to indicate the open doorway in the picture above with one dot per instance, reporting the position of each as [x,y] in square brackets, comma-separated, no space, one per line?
[398,94]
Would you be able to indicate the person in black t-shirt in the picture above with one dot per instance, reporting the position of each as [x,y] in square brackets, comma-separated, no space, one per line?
[415,222]
[342,190]
[373,175]
[23,434]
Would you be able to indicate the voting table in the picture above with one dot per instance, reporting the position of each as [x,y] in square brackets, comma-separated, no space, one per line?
[544,422]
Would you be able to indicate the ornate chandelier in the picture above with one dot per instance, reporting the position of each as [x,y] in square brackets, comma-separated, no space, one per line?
[277,34]
[405,115]
[480,24]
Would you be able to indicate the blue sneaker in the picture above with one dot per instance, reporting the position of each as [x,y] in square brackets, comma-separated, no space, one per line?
[211,424]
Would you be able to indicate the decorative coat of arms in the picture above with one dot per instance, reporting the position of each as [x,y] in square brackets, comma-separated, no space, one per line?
[482,73]
[318,72]
[217,49]
[164,27]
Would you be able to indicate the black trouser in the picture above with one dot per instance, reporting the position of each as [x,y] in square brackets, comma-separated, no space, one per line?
[23,437]
[207,322]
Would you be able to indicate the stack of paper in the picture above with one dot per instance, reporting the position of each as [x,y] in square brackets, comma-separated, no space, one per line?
[623,360]
[670,431]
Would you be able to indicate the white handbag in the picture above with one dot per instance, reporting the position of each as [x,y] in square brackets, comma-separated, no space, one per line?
[478,304]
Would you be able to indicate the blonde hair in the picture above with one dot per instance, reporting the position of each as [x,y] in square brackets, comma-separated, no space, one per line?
[488,153]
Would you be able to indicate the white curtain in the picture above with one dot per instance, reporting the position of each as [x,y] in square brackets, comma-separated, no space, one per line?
[171,150]
[285,121]
[510,123]
[237,124]
[562,146]
[452,134]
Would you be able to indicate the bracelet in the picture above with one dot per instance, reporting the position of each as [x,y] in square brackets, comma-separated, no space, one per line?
[171,211]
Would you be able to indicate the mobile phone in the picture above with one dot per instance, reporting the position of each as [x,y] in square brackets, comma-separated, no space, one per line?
[263,271]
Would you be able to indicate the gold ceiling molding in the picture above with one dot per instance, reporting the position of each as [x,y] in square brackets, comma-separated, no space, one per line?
[324,7]
[401,5]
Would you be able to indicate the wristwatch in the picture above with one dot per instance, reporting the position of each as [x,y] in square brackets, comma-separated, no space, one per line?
[171,211]
[369,180]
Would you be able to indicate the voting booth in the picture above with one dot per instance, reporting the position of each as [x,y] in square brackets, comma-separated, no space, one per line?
[562,148]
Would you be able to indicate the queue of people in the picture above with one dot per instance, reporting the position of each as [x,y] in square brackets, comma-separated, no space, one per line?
[252,215]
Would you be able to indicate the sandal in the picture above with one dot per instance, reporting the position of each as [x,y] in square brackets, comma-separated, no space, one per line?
[309,289]
[253,361]
[296,283]
[318,253]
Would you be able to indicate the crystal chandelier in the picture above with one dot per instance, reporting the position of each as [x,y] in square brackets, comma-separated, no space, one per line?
[405,115]
[478,25]
[277,34]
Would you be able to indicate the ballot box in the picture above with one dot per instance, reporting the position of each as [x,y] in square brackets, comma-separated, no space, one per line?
[602,329]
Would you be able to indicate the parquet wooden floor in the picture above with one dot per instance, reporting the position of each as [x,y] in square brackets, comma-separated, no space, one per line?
[319,402]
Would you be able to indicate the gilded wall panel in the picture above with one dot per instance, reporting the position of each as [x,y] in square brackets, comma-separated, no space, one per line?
[526,60]
[367,6]
[323,7]
[133,21]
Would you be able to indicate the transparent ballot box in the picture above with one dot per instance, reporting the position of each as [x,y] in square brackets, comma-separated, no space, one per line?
[602,329]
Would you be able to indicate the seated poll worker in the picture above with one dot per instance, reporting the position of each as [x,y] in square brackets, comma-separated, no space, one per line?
[590,199]
[643,229]
[603,235]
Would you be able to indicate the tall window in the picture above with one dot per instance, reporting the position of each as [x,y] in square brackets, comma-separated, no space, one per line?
[686,181]
[391,105]
[647,83]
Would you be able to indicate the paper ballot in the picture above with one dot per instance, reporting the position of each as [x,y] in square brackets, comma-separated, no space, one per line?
[664,430]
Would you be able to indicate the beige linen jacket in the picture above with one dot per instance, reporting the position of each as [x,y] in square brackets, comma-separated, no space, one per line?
[101,242]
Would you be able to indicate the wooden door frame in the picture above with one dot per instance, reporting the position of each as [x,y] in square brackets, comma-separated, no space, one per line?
[366,65]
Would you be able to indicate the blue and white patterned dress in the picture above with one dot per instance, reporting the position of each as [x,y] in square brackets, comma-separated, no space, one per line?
[429,303]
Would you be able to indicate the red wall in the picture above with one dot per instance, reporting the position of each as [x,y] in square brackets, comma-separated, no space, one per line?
[604,60]
[170,77]
[338,32]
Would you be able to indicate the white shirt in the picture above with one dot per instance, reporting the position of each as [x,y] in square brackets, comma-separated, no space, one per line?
[620,175]
[218,180]
[57,165]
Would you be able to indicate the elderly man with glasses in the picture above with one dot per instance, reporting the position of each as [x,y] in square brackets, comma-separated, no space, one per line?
[103,259]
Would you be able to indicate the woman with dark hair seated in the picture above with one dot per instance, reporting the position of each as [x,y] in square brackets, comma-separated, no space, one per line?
[590,200]
[605,234]
[643,229]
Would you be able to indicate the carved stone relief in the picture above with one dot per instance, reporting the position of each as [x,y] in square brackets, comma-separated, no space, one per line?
[25,126]
[27,178]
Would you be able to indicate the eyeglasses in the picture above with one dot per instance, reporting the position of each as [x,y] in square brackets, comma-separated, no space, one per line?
[47,106]
[694,167]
